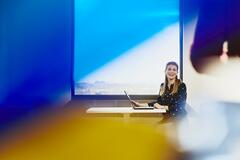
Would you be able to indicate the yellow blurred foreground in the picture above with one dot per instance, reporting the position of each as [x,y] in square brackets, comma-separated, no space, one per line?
[78,137]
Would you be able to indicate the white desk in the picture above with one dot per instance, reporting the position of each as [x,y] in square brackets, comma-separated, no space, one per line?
[126,111]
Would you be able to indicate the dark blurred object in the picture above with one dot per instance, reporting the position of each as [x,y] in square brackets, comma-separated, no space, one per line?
[218,21]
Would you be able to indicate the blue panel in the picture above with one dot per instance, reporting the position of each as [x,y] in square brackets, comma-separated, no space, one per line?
[104,29]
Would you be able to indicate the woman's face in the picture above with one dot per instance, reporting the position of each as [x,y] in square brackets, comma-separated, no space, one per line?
[171,72]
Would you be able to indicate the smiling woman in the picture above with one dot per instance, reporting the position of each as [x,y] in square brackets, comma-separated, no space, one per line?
[172,95]
[116,40]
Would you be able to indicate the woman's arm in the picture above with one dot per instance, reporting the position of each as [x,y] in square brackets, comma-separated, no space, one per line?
[159,101]
[158,106]
[137,104]
[155,104]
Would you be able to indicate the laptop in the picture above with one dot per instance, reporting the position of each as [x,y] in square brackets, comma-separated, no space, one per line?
[134,107]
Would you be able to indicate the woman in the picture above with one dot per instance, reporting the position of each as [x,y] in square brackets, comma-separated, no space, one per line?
[172,95]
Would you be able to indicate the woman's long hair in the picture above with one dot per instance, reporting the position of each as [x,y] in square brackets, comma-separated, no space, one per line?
[176,83]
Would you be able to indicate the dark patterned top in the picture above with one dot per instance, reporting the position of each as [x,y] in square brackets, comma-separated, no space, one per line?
[175,102]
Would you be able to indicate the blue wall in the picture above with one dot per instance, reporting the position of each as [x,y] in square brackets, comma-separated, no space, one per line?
[35,59]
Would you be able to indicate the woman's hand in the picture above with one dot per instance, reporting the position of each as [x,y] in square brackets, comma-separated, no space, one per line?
[158,106]
[136,104]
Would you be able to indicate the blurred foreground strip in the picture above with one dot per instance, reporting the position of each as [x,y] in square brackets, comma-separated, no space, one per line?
[74,136]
